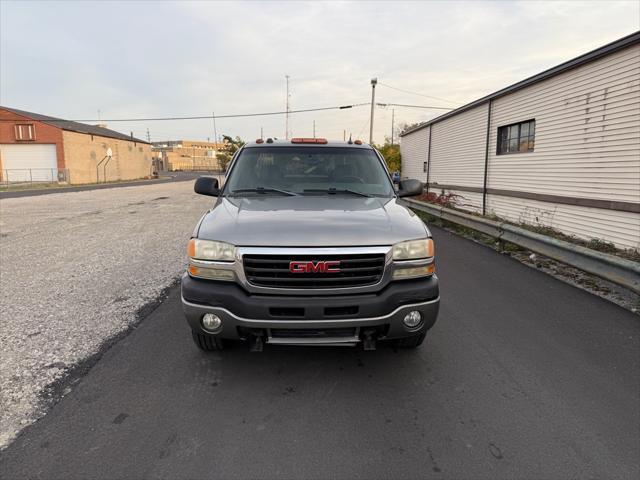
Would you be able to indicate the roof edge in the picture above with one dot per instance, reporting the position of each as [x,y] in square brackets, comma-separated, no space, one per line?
[583,59]
[73,126]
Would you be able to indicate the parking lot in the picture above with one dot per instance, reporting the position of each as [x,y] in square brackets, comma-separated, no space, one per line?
[74,270]
[522,376]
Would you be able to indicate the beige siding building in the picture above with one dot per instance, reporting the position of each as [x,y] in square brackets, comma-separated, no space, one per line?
[560,149]
[190,155]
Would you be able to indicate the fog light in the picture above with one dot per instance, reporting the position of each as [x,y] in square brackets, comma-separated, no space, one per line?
[413,319]
[211,322]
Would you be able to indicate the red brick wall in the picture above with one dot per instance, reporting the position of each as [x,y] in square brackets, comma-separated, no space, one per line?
[44,133]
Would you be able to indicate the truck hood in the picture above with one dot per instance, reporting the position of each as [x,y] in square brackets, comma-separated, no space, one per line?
[310,221]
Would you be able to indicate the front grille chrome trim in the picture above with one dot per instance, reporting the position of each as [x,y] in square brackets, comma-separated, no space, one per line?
[292,252]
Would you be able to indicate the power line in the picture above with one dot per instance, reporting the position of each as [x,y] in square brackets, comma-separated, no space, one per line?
[416,93]
[412,106]
[238,115]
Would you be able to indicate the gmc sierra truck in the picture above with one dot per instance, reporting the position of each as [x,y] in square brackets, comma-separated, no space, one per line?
[307,244]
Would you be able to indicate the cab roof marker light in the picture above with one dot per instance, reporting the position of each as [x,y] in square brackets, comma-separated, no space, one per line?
[321,141]
[259,140]
[358,142]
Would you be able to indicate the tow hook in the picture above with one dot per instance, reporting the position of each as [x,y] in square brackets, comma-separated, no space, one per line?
[256,342]
[369,339]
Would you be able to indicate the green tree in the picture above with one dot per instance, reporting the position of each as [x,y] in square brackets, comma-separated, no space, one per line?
[231,145]
[391,154]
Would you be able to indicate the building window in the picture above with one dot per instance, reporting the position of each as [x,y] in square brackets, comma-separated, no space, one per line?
[516,138]
[25,132]
[424,167]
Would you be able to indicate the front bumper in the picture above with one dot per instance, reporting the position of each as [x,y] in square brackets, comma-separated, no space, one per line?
[243,312]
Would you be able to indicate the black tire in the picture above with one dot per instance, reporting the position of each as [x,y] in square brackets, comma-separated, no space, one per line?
[410,342]
[205,342]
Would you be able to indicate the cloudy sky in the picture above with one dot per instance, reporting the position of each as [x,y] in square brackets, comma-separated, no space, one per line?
[160,59]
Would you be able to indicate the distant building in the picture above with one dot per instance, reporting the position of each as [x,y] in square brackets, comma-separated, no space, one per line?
[35,147]
[186,155]
[560,149]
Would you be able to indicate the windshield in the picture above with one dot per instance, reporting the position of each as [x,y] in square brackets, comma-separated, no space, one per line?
[309,171]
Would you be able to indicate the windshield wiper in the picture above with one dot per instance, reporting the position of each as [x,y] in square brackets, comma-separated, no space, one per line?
[264,190]
[333,190]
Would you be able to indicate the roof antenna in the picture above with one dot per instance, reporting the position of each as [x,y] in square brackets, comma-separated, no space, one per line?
[350,141]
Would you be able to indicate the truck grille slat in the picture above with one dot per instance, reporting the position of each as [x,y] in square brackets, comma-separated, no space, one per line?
[273,271]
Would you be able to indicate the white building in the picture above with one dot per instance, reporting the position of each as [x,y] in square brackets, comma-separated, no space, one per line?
[559,149]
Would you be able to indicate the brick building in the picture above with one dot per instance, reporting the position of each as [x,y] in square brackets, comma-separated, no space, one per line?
[47,149]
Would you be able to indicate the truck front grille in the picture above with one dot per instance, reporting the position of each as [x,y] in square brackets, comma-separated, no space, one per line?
[355,270]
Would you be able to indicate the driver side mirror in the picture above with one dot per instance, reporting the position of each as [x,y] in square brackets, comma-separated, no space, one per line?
[410,188]
[207,186]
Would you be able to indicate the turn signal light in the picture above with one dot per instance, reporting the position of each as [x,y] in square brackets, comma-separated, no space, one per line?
[309,140]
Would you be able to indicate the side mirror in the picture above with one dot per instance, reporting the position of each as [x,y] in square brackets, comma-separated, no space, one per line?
[207,186]
[410,188]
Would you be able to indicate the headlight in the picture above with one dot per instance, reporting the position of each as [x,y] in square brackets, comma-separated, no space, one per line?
[210,250]
[413,249]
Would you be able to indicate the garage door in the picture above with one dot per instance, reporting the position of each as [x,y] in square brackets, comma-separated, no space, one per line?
[24,163]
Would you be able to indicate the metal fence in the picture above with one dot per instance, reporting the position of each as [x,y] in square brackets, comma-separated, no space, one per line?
[615,269]
[14,177]
[183,167]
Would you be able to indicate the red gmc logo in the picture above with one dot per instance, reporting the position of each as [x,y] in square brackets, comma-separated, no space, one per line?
[315,267]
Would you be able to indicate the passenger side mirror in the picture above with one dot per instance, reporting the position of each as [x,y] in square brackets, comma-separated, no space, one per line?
[410,188]
[207,186]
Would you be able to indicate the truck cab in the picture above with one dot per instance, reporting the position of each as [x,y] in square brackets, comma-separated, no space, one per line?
[307,244]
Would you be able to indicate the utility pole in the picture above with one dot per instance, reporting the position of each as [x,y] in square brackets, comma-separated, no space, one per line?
[314,129]
[393,115]
[374,81]
[344,135]
[215,131]
[148,136]
[286,121]
[261,134]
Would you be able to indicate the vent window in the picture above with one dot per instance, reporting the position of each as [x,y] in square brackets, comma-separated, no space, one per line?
[25,132]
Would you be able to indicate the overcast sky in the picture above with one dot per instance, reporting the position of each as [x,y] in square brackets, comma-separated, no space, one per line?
[156,59]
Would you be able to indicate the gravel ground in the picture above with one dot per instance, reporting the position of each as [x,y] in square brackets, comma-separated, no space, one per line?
[74,270]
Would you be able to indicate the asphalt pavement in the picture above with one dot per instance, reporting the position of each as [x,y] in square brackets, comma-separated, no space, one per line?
[523,376]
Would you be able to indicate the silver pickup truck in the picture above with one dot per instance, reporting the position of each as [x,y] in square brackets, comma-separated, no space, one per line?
[306,244]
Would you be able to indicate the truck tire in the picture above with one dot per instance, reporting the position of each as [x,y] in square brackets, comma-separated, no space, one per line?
[205,342]
[410,342]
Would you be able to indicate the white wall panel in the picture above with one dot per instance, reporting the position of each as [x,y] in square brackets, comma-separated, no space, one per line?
[587,141]
[458,149]
[620,228]
[413,149]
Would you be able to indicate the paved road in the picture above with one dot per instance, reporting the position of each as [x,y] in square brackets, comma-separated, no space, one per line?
[522,377]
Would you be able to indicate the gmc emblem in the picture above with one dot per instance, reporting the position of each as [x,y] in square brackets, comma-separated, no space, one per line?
[332,266]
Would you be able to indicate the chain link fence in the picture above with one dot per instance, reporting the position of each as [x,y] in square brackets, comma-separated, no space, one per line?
[17,177]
